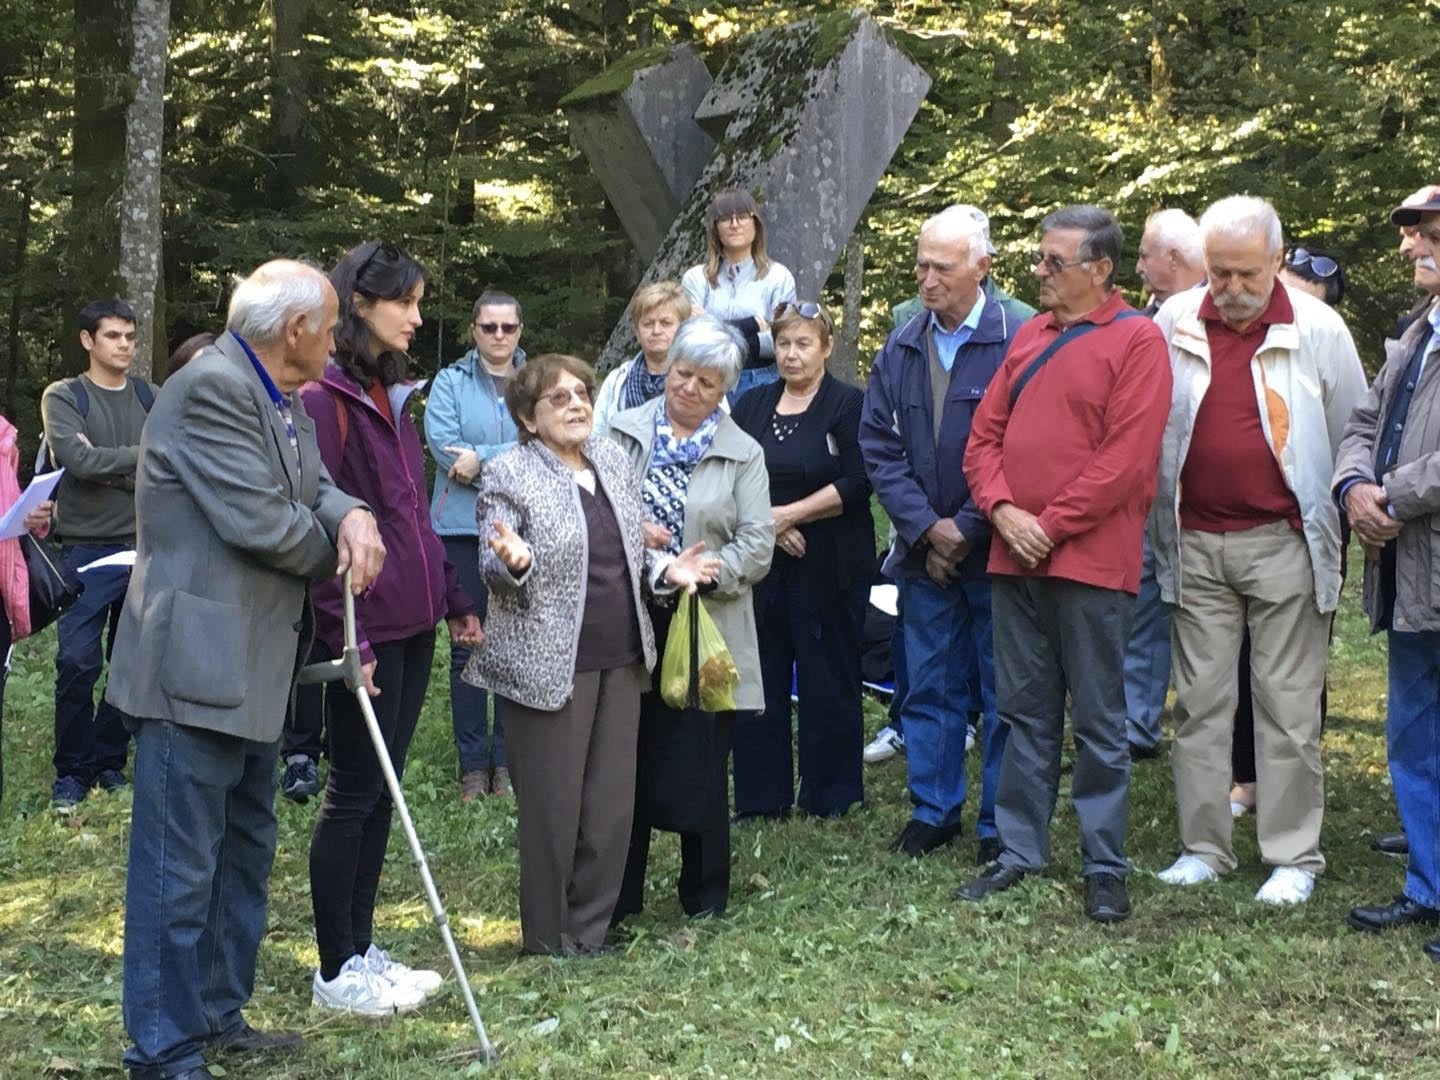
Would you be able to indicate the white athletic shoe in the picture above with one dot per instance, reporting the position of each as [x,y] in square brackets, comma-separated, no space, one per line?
[381,963]
[886,744]
[969,737]
[356,989]
[1188,870]
[1287,885]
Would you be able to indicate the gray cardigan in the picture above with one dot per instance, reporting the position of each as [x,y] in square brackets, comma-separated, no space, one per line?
[532,626]
[728,506]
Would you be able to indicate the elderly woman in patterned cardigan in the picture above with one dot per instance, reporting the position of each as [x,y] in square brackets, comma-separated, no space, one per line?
[567,645]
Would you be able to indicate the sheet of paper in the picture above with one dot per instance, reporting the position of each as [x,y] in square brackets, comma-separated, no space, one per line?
[12,523]
[120,558]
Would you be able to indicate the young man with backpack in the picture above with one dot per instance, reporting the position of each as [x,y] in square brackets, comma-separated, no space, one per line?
[92,428]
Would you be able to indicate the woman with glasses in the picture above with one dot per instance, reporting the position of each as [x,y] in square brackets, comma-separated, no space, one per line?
[656,312]
[703,481]
[372,450]
[567,646]
[739,284]
[810,609]
[466,422]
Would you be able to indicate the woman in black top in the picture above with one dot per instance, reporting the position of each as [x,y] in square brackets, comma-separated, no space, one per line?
[810,609]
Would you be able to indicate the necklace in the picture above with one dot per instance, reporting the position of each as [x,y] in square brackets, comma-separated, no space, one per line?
[800,397]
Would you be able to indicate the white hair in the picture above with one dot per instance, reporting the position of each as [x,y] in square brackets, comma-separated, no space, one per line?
[1175,230]
[960,223]
[274,294]
[1243,216]
[706,342]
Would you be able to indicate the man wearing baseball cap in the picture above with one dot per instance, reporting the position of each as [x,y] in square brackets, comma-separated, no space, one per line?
[1387,480]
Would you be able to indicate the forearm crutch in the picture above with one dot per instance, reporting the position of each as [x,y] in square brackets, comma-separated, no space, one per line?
[348,670]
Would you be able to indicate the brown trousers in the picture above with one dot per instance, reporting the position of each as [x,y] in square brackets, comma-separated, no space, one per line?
[1259,578]
[574,776]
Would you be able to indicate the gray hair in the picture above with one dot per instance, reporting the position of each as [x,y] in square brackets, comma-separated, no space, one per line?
[1103,236]
[275,293]
[962,223]
[706,342]
[1241,216]
[1176,230]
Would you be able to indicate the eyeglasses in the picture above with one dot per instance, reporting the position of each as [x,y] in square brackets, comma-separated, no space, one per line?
[1054,262]
[559,399]
[733,219]
[806,309]
[506,328]
[1322,266]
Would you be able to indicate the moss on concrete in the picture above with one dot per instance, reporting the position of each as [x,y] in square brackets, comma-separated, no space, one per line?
[615,79]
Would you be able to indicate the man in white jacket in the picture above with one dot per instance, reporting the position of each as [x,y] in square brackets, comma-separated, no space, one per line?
[1246,534]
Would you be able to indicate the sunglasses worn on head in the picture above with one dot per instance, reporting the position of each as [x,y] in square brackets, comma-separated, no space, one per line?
[560,399]
[506,328]
[806,309]
[1321,266]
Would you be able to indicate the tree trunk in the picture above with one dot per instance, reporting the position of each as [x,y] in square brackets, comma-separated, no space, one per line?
[140,211]
[17,299]
[289,100]
[845,360]
[102,93]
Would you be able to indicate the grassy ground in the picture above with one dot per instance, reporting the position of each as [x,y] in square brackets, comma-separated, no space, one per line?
[837,959]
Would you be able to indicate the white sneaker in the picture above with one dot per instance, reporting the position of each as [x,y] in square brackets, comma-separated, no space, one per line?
[969,737]
[886,744]
[1287,885]
[383,964]
[1188,870]
[356,989]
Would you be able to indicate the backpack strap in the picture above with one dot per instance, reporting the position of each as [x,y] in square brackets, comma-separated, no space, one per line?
[145,392]
[81,395]
[1079,330]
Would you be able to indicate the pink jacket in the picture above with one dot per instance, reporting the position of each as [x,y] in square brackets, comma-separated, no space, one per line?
[14,579]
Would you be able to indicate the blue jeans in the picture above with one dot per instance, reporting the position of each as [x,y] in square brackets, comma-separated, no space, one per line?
[202,840]
[1412,731]
[475,746]
[945,629]
[88,740]
[751,378]
[1147,660]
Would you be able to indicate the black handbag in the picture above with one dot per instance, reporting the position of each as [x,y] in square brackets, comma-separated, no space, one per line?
[52,589]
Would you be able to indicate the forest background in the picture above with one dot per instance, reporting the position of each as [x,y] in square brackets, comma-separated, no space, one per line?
[301,127]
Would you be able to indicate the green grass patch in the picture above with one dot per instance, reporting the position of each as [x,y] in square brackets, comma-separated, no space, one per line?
[837,959]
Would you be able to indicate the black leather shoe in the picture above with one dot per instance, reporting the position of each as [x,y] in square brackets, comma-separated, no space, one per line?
[988,851]
[1403,912]
[200,1072]
[995,879]
[1106,900]
[1432,950]
[746,816]
[918,839]
[249,1040]
[1393,844]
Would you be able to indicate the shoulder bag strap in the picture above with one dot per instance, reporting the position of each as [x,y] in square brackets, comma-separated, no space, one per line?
[1077,331]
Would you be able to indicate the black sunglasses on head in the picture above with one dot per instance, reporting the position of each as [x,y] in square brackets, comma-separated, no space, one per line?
[806,309]
[1320,265]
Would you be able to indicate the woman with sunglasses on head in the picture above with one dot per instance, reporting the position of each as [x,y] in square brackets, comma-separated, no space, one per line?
[738,283]
[1316,272]
[568,645]
[810,609]
[467,423]
[371,448]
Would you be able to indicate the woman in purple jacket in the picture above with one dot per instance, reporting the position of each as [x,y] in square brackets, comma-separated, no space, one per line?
[372,449]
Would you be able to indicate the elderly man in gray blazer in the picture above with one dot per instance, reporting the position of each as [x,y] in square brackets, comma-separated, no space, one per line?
[236,515]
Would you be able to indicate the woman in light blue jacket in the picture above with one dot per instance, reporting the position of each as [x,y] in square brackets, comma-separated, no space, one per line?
[466,422]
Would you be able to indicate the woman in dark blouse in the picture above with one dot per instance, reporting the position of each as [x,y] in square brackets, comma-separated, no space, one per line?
[810,609]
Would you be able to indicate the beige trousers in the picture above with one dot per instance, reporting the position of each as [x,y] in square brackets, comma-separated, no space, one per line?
[1260,578]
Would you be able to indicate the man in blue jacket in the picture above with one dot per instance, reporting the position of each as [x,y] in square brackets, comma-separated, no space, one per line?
[924,387]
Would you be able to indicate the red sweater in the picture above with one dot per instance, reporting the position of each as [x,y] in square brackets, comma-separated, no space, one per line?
[1081,447]
[1232,479]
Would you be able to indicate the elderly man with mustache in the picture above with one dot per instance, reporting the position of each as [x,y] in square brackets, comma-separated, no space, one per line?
[1246,534]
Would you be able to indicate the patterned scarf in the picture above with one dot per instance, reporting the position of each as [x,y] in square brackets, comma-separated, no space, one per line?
[667,479]
[640,386]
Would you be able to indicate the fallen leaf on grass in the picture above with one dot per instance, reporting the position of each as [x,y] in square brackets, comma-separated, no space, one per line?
[684,939]
[546,1027]
[58,1064]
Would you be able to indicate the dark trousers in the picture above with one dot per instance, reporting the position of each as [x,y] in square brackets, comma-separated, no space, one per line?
[88,740]
[901,675]
[353,825]
[305,724]
[479,744]
[823,647]
[574,776]
[202,841]
[1412,733]
[1054,636]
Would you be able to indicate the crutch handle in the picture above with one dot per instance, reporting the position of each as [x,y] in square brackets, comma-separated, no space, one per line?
[347,667]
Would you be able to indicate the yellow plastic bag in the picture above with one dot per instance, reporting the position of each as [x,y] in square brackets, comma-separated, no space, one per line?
[697,671]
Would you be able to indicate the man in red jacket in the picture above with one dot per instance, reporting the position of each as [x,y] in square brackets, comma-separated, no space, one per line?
[1062,459]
